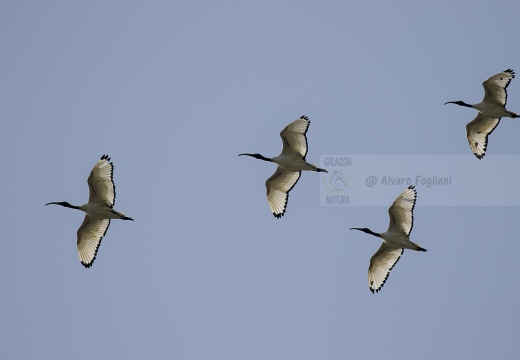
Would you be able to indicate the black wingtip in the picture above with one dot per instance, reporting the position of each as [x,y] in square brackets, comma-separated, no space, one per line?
[87,266]
[375,291]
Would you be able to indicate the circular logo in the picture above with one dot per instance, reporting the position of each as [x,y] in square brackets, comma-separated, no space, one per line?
[338,181]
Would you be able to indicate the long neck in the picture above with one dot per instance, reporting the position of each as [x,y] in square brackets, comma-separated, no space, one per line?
[65,204]
[368,231]
[258,156]
[460,103]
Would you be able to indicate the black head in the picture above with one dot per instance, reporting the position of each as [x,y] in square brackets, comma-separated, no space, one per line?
[62,203]
[368,231]
[258,156]
[460,102]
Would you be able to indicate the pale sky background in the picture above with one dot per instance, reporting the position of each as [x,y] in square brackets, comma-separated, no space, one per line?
[173,91]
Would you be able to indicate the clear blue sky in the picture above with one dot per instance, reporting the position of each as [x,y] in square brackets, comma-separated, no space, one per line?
[173,91]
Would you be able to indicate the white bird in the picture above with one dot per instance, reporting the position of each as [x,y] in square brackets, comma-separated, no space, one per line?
[491,109]
[290,163]
[99,210]
[395,239]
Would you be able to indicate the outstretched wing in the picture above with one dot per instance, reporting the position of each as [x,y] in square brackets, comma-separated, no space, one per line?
[294,138]
[101,183]
[90,234]
[401,211]
[278,187]
[478,131]
[495,87]
[381,263]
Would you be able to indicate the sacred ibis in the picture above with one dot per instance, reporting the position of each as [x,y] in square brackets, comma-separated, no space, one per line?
[395,239]
[99,210]
[291,162]
[491,109]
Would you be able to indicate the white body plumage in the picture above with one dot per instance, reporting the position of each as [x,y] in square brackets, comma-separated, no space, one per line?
[394,240]
[291,162]
[491,109]
[99,210]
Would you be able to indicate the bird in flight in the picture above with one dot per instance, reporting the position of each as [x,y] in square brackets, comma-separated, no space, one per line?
[99,210]
[491,109]
[395,239]
[291,162]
